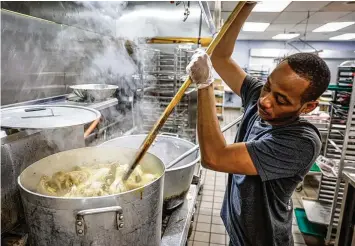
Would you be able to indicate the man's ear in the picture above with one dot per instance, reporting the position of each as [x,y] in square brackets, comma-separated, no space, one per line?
[309,107]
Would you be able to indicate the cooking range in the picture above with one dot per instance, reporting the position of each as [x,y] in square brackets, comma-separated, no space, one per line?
[176,225]
[177,219]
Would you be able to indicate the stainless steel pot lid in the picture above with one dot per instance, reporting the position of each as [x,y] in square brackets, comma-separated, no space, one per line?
[47,116]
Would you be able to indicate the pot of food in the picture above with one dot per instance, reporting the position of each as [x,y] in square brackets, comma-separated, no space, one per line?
[77,197]
[94,92]
[167,148]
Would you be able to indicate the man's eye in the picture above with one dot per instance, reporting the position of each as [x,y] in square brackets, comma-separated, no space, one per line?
[266,87]
[280,101]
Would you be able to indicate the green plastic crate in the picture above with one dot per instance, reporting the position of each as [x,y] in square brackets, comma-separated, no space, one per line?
[315,168]
[308,227]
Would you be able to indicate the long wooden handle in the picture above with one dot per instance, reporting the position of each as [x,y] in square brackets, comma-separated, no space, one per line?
[154,132]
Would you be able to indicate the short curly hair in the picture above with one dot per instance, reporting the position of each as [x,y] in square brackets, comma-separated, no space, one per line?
[312,68]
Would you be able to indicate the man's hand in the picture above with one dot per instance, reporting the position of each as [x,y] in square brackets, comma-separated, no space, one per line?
[200,69]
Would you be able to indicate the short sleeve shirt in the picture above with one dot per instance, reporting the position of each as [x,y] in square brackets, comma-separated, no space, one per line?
[257,210]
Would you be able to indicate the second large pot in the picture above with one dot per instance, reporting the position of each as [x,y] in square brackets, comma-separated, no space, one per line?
[167,148]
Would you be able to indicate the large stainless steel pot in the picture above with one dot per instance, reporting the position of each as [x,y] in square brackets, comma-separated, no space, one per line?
[167,148]
[129,218]
[94,92]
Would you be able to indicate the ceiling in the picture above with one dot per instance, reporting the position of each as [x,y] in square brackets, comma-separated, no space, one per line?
[294,19]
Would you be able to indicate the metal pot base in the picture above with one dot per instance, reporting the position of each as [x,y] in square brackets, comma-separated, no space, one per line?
[174,202]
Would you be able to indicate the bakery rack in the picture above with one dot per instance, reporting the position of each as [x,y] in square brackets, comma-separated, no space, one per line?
[340,148]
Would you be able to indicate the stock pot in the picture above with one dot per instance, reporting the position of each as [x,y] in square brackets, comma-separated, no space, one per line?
[130,218]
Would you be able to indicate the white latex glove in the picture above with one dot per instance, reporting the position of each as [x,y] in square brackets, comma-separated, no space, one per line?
[200,69]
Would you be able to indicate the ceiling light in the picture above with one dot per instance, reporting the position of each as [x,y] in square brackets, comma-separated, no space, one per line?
[271,6]
[346,36]
[332,26]
[286,36]
[255,26]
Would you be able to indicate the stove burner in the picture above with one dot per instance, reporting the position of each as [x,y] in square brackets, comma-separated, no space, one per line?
[16,237]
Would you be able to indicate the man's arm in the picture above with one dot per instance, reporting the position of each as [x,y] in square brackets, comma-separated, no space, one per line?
[215,152]
[221,58]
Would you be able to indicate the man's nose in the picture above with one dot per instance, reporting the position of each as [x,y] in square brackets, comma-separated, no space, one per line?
[266,102]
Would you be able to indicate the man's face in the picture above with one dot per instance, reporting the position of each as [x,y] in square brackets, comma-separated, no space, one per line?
[280,98]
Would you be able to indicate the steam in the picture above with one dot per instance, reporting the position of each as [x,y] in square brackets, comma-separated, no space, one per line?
[100,43]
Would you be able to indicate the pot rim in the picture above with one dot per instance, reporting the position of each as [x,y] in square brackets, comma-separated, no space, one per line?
[92,197]
[161,136]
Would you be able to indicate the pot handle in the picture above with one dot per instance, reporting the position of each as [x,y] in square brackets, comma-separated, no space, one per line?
[169,134]
[80,222]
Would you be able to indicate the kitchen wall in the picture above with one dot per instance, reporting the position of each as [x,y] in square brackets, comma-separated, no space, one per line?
[48,46]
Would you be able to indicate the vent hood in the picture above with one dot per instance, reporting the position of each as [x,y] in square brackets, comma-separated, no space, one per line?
[165,19]
[131,19]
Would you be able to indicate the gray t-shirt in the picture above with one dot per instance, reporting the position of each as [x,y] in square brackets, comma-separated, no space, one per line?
[257,210]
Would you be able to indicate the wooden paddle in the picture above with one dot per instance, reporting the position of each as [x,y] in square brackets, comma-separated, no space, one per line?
[154,132]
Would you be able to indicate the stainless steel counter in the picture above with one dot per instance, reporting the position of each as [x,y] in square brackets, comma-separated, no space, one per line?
[179,222]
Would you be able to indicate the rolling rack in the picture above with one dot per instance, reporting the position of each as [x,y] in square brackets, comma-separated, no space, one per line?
[340,148]
[163,74]
[260,74]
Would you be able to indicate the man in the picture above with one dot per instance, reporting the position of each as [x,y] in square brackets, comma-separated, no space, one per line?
[274,148]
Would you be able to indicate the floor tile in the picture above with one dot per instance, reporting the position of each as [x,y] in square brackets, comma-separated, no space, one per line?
[220,187]
[220,181]
[205,211]
[206,198]
[204,218]
[297,204]
[295,229]
[192,234]
[209,182]
[204,227]
[217,205]
[217,220]
[190,243]
[218,238]
[207,192]
[206,205]
[219,193]
[218,199]
[201,237]
[208,187]
[200,244]
[219,229]
[298,238]
[216,212]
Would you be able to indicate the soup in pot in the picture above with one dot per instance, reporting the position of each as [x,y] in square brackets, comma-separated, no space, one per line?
[96,180]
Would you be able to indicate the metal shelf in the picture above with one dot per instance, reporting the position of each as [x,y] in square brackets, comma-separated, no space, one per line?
[339,147]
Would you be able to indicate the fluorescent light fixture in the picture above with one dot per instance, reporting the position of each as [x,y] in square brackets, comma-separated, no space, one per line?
[346,36]
[271,6]
[255,26]
[286,36]
[333,26]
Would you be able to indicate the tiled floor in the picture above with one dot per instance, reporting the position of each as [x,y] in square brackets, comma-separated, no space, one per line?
[208,228]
